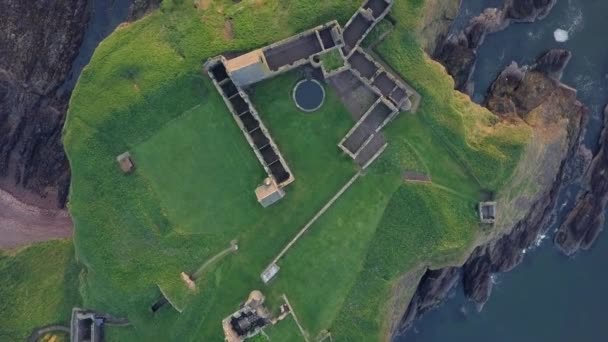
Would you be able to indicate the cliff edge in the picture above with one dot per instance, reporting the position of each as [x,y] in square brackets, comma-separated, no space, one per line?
[555,159]
[458,53]
[535,95]
[38,42]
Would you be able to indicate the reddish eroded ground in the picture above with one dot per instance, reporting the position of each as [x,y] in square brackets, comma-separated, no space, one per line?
[22,224]
[414,176]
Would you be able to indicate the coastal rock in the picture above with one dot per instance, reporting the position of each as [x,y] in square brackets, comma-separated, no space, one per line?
[458,58]
[140,8]
[458,53]
[433,288]
[39,41]
[585,222]
[534,95]
[553,63]
[438,17]
[528,10]
[521,91]
[578,165]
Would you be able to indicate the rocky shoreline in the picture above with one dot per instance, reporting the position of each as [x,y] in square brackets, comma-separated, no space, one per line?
[458,53]
[507,251]
[586,220]
[510,94]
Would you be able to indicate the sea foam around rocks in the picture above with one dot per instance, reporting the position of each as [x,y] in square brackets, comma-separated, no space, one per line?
[575,20]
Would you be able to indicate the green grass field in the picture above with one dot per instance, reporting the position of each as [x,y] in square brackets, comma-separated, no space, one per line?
[39,287]
[379,32]
[192,190]
[332,60]
[286,330]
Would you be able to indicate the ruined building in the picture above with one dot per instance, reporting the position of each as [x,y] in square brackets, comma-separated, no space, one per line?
[364,142]
[248,321]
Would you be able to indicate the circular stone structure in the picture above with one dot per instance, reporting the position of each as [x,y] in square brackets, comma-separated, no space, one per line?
[308,95]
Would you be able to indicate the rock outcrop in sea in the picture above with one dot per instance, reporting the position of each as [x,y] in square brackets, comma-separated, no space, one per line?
[535,95]
[459,51]
[585,222]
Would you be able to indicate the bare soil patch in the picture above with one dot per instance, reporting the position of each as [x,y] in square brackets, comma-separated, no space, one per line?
[22,224]
[228,31]
[204,4]
[414,176]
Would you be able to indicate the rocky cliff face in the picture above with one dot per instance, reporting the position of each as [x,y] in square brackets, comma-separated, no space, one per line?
[437,19]
[459,52]
[585,222]
[139,8]
[535,95]
[39,40]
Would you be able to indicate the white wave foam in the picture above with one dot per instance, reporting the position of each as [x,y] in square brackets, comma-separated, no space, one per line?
[575,17]
[539,239]
[584,83]
[575,23]
[561,35]
[535,35]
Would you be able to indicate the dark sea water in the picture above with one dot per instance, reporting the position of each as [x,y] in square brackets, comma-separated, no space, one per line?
[549,297]
[104,17]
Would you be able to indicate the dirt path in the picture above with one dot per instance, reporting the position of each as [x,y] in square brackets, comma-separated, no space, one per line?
[22,224]
[233,248]
[40,332]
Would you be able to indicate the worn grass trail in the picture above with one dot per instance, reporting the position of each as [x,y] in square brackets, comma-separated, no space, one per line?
[199,272]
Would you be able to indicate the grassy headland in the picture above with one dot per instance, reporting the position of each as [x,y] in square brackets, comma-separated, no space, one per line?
[192,191]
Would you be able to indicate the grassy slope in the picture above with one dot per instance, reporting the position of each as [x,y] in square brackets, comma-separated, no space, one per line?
[286,331]
[487,149]
[192,191]
[379,32]
[39,287]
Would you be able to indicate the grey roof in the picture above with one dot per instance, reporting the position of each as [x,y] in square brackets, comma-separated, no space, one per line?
[249,74]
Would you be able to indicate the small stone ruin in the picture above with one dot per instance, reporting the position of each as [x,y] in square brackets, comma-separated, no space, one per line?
[125,162]
[487,212]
